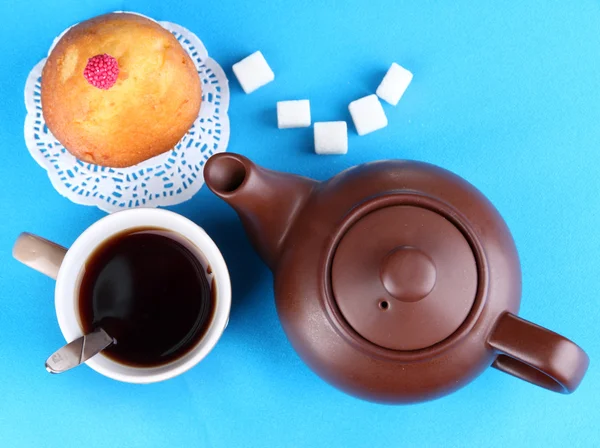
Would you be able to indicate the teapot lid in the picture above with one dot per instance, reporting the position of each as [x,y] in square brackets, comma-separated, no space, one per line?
[404,277]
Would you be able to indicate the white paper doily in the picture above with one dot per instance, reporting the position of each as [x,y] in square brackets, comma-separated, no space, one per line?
[167,179]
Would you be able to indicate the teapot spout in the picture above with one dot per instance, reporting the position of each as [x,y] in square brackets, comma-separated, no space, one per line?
[266,201]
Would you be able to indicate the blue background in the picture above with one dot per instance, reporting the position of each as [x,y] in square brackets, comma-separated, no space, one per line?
[506,94]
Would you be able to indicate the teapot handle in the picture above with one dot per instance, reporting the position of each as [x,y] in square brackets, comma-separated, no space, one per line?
[537,355]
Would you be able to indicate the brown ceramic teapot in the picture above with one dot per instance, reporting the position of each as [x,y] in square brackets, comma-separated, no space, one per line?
[395,281]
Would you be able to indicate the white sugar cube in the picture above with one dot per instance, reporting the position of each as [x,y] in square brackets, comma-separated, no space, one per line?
[331,137]
[293,114]
[394,84]
[367,114]
[253,72]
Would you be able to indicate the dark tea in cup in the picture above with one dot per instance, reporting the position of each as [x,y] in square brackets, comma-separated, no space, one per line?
[152,291]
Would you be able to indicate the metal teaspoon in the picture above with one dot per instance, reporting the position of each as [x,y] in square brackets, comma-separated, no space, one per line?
[79,351]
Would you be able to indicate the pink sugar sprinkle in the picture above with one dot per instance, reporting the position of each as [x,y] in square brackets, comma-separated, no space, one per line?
[102,71]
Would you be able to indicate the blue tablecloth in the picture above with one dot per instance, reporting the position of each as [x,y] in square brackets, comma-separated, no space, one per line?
[505,94]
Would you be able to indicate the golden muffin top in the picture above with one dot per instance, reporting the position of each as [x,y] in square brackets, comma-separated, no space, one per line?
[118,89]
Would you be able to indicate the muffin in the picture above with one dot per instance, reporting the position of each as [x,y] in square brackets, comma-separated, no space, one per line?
[119,89]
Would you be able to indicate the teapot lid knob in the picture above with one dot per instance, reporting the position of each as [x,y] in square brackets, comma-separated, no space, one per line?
[408,274]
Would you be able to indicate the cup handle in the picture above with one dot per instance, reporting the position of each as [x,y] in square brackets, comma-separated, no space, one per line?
[537,355]
[39,254]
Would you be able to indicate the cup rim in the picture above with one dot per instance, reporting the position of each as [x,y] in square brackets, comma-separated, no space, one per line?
[72,268]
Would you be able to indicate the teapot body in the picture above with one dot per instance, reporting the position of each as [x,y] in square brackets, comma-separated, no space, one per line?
[318,330]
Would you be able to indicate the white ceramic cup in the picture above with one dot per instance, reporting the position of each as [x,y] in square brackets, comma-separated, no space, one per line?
[68,266]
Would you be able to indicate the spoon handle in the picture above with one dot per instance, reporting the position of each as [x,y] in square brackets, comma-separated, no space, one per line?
[78,351]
